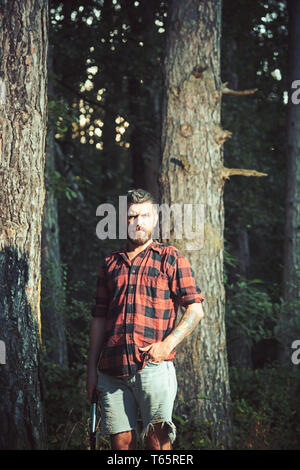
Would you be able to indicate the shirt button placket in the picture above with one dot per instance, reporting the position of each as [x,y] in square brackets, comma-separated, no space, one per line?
[130,317]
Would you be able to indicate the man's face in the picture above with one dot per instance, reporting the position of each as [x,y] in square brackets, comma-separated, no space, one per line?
[141,221]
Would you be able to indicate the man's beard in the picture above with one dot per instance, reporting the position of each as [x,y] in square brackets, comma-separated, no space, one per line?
[139,239]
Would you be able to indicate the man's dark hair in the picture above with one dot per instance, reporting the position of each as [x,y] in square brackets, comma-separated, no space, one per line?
[137,196]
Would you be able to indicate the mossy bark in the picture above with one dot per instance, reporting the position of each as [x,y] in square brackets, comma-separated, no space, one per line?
[23,62]
[191,173]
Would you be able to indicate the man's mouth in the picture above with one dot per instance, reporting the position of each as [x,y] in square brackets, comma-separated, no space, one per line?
[138,234]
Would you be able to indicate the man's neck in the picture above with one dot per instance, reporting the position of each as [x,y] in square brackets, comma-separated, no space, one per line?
[133,250]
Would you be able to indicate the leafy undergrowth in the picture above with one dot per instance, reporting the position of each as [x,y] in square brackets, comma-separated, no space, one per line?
[265,412]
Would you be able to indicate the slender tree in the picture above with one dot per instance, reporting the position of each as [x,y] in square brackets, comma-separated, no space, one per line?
[52,293]
[291,274]
[239,345]
[23,63]
[144,93]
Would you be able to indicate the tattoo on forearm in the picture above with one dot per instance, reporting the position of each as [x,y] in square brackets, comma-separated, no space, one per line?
[187,324]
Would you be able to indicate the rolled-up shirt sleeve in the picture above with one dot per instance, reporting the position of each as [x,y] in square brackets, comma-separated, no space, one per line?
[100,308]
[183,283]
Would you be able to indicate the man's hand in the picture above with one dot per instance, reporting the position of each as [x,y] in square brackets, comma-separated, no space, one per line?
[157,352]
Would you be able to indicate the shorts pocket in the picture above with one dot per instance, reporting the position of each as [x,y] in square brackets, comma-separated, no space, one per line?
[155,364]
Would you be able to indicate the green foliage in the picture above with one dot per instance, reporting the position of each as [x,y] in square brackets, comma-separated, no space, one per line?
[287,328]
[192,435]
[65,399]
[265,408]
[249,309]
[66,405]
[254,44]
[68,410]
[229,261]
[78,319]
[61,115]
[68,186]
[122,40]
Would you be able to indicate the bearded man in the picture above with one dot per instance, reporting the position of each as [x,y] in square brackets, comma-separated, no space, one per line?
[133,335]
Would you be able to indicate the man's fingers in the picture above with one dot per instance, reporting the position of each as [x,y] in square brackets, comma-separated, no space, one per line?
[145,348]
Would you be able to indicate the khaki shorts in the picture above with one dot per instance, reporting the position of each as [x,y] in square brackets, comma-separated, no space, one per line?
[151,392]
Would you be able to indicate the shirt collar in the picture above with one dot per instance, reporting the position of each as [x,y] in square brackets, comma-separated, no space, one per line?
[156,246]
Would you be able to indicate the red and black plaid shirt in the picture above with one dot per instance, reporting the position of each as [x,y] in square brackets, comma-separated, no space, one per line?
[139,299]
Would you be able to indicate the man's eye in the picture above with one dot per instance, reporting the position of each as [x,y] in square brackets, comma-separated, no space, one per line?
[131,217]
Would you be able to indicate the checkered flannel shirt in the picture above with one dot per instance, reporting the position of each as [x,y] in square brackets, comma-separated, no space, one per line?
[140,299]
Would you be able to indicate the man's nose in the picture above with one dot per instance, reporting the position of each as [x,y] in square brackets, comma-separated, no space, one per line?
[139,220]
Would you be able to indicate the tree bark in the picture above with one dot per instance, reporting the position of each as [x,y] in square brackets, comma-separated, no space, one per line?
[23,62]
[290,321]
[191,172]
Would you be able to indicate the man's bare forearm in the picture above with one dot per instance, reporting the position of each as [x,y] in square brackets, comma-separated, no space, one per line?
[97,332]
[190,319]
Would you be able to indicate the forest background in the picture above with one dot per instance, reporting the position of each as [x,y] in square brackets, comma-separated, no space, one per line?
[104,123]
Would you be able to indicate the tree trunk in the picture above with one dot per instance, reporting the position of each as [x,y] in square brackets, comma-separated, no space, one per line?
[144,104]
[244,252]
[52,298]
[111,150]
[23,59]
[136,138]
[239,344]
[192,162]
[290,321]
